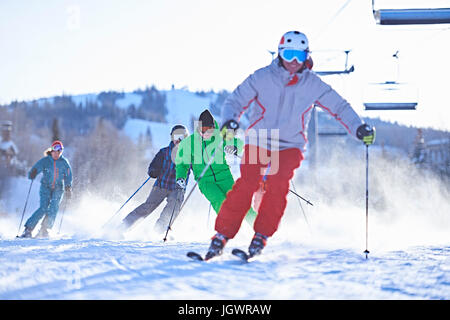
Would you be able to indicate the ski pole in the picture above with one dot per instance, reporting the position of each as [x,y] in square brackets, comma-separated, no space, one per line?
[299,196]
[62,216]
[125,202]
[367,201]
[301,207]
[171,217]
[209,213]
[24,208]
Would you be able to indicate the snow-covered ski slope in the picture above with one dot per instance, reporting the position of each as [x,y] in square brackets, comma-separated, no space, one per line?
[100,269]
[409,242]
[409,259]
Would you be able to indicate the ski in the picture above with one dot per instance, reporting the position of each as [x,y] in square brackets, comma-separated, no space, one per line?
[195,256]
[241,254]
[32,238]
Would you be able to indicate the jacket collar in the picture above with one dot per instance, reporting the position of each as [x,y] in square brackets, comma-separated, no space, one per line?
[214,137]
[51,158]
[285,77]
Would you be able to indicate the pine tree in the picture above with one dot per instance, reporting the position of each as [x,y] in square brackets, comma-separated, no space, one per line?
[56,134]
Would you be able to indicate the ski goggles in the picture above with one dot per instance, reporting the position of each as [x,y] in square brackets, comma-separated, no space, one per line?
[178,137]
[204,129]
[289,55]
[57,147]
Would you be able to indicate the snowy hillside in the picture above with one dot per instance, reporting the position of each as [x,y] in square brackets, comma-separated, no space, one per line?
[183,107]
[321,259]
[317,253]
[101,269]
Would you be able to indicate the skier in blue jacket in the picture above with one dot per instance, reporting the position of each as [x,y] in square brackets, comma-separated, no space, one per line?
[56,180]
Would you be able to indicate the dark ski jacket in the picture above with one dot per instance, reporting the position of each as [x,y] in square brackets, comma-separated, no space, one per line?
[163,168]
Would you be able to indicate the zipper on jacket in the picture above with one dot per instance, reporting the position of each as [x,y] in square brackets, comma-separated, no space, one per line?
[283,94]
[214,175]
[55,172]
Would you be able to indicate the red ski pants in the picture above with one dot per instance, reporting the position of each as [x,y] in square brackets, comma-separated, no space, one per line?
[273,203]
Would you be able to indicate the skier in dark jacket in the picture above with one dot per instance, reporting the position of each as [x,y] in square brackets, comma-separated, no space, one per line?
[56,180]
[162,168]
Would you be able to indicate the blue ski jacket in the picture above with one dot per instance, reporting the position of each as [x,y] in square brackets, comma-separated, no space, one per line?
[57,174]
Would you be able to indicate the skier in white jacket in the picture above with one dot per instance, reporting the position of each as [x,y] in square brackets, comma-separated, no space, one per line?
[280,97]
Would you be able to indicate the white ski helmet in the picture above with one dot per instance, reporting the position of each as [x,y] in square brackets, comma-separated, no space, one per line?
[294,40]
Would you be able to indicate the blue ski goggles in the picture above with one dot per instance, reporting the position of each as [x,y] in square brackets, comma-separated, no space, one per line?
[289,55]
[57,147]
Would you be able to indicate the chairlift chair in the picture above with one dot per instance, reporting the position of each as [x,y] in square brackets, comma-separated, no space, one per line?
[336,72]
[390,95]
[411,16]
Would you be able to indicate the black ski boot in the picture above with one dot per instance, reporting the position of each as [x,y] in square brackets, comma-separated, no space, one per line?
[257,245]
[217,244]
[27,233]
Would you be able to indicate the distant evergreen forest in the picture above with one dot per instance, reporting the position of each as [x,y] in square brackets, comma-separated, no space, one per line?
[104,159]
[81,119]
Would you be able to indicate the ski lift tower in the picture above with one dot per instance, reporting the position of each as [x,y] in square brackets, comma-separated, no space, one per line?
[323,128]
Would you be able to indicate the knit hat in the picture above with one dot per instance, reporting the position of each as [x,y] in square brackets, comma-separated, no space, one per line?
[206,119]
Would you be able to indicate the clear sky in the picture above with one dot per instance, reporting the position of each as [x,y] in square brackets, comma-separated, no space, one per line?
[51,47]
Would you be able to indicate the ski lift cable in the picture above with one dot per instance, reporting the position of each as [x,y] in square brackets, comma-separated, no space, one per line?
[316,37]
[319,34]
[426,38]
[423,39]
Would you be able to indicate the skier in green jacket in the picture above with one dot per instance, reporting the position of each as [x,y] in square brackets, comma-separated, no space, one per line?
[207,145]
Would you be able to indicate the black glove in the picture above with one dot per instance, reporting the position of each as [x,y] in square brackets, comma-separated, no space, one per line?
[68,191]
[33,174]
[228,130]
[153,173]
[366,134]
[181,184]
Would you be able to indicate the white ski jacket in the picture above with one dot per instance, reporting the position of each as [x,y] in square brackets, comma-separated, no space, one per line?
[281,105]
